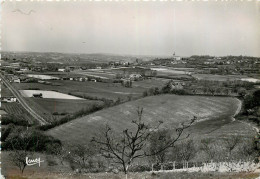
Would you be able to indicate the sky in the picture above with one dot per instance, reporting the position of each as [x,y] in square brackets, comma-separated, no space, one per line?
[133,28]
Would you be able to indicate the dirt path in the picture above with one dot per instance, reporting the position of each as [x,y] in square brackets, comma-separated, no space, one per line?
[236,113]
[238,109]
[250,125]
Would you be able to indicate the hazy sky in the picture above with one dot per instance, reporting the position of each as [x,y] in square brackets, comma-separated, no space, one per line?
[137,28]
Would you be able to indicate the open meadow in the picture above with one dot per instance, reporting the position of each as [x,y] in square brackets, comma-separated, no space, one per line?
[211,77]
[111,91]
[72,93]
[213,114]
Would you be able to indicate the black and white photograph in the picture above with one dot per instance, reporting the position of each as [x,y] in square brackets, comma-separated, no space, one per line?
[130,89]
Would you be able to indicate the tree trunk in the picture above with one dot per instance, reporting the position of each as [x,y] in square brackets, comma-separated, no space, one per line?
[125,168]
[23,168]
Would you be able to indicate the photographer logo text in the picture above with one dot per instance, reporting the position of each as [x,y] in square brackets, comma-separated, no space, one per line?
[35,161]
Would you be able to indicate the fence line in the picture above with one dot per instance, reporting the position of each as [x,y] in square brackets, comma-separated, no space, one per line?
[206,166]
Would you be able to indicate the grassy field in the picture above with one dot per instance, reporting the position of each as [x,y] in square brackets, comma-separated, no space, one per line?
[64,105]
[112,91]
[97,89]
[17,110]
[142,175]
[211,77]
[46,107]
[5,91]
[104,74]
[213,112]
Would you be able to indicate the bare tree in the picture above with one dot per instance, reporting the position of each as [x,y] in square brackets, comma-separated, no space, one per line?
[212,90]
[81,154]
[60,151]
[208,148]
[157,141]
[230,144]
[18,157]
[247,150]
[125,148]
[19,151]
[184,151]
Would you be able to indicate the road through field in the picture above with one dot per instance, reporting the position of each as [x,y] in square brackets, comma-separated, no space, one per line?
[22,101]
[238,110]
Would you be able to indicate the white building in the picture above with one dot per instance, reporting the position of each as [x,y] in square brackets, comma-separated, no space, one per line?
[175,57]
[61,70]
[9,99]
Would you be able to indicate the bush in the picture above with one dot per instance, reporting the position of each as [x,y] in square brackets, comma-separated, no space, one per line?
[33,88]
[55,113]
[6,133]
[12,119]
[31,141]
[140,168]
[252,101]
[179,92]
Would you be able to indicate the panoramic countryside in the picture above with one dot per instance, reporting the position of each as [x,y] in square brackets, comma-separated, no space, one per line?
[179,112]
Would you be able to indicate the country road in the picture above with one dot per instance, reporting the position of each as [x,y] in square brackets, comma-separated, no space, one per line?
[238,111]
[23,102]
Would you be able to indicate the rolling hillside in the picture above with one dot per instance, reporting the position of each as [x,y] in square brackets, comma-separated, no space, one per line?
[213,112]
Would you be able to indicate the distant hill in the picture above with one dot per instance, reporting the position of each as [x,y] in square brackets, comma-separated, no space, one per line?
[73,57]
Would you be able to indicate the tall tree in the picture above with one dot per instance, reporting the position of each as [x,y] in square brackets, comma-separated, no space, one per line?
[132,144]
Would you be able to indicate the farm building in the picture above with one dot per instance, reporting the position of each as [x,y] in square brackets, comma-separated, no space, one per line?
[65,78]
[41,81]
[25,69]
[177,85]
[37,68]
[9,99]
[71,68]
[135,76]
[209,63]
[61,69]
[15,65]
[177,58]
[15,79]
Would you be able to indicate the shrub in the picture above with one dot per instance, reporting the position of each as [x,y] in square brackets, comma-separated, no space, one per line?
[140,168]
[12,119]
[31,141]
[5,133]
[55,113]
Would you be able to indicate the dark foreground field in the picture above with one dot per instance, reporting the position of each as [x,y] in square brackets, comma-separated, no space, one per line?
[142,175]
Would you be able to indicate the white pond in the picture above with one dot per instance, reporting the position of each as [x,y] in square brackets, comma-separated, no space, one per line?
[43,77]
[48,94]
